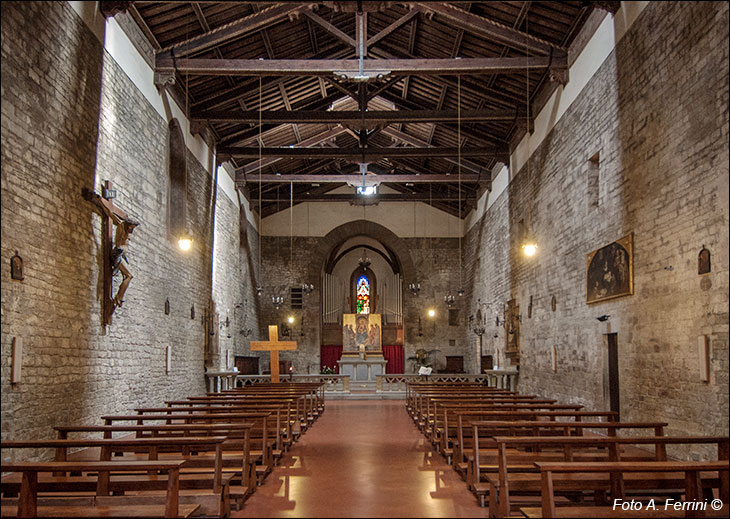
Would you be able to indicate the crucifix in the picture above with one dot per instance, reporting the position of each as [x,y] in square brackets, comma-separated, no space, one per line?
[273,345]
[114,247]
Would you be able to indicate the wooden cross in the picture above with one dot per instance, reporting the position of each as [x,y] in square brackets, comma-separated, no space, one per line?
[111,215]
[273,345]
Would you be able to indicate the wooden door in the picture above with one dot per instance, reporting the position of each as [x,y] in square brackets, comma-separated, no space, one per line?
[247,365]
[454,364]
[487,362]
[613,382]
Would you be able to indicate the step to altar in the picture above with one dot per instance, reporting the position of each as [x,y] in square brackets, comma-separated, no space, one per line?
[365,395]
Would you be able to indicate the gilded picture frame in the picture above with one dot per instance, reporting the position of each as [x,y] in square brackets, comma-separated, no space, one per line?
[610,271]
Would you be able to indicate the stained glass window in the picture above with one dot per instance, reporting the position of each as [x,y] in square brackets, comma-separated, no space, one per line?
[362,289]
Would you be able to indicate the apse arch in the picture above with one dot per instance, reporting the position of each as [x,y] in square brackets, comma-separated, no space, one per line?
[326,251]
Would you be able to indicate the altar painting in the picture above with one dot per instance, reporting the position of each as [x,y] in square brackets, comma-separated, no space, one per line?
[361,332]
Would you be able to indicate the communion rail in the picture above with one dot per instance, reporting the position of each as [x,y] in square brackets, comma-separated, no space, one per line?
[395,383]
[221,380]
[500,378]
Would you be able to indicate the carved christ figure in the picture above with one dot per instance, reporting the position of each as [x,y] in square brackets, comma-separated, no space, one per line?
[118,256]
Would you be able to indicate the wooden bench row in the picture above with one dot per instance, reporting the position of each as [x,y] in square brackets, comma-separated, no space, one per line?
[501,443]
[221,450]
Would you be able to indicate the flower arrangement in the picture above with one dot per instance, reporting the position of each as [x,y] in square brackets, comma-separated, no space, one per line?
[326,370]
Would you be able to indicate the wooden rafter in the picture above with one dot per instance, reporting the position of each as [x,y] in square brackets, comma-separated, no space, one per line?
[329,67]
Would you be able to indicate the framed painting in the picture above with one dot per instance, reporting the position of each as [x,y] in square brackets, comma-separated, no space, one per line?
[610,271]
[361,332]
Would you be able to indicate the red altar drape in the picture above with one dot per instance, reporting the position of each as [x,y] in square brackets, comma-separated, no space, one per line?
[329,355]
[394,356]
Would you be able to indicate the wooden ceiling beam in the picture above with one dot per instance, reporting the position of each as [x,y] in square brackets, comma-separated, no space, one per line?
[370,154]
[165,64]
[471,133]
[380,197]
[268,160]
[357,179]
[252,133]
[334,31]
[372,116]
[392,27]
[413,141]
[246,25]
[485,27]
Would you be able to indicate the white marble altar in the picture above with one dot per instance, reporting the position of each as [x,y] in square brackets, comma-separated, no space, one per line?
[362,371]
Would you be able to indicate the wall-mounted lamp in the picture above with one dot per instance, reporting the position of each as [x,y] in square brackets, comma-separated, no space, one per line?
[259,291]
[277,301]
[185,241]
[449,300]
[529,249]
[603,318]
[290,319]
[431,313]
[415,288]
[307,288]
[669,268]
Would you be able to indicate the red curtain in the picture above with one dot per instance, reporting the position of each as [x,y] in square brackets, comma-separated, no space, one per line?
[329,355]
[394,356]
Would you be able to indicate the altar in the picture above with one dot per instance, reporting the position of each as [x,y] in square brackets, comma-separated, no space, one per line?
[362,371]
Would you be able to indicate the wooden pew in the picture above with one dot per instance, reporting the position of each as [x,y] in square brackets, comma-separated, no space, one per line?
[210,490]
[692,487]
[511,478]
[531,428]
[464,429]
[28,501]
[261,442]
[301,409]
[238,465]
[441,434]
[281,422]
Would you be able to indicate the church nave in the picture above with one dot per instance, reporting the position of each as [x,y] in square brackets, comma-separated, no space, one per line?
[364,458]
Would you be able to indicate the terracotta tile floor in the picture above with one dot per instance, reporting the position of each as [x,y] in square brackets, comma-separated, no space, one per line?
[362,458]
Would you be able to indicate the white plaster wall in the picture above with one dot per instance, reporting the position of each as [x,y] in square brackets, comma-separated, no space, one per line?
[405,219]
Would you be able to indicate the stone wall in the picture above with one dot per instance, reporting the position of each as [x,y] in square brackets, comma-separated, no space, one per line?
[71,118]
[234,280]
[656,113]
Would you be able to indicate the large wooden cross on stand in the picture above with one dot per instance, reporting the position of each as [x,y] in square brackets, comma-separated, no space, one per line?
[274,346]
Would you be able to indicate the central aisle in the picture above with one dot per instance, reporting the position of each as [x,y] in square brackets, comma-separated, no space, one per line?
[362,458]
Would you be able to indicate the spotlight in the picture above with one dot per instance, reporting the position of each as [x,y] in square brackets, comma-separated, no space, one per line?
[603,317]
[431,312]
[290,319]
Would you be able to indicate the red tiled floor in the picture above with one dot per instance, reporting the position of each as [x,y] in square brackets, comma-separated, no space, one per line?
[362,458]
